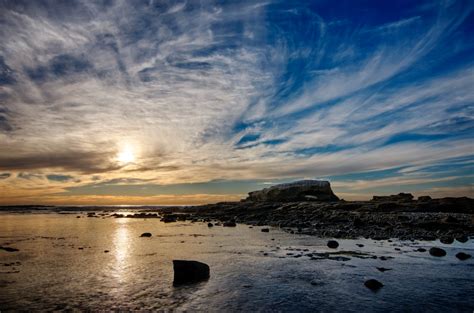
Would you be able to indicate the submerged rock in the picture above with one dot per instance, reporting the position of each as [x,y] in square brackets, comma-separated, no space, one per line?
[265,230]
[303,190]
[145,235]
[210,225]
[438,252]
[189,272]
[333,244]
[383,269]
[9,249]
[373,284]
[463,256]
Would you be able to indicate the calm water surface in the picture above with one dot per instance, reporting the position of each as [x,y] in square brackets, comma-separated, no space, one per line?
[62,265]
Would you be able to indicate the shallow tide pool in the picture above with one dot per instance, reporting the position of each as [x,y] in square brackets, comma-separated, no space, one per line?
[62,264]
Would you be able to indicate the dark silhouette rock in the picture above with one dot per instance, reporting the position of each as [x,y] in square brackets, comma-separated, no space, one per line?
[9,249]
[383,269]
[424,198]
[401,197]
[304,190]
[229,224]
[106,251]
[373,284]
[189,272]
[438,252]
[265,230]
[462,239]
[145,235]
[447,240]
[421,250]
[210,225]
[463,256]
[333,244]
[169,218]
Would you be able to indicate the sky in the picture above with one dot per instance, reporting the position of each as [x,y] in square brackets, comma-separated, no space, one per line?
[188,102]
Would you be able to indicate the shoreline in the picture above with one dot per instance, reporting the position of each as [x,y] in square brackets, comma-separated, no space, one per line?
[429,219]
[393,217]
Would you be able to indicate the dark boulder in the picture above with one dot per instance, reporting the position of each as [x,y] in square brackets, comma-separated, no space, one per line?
[437,252]
[145,235]
[189,272]
[446,240]
[304,190]
[463,256]
[373,284]
[210,225]
[265,230]
[169,218]
[333,244]
[229,224]
[462,239]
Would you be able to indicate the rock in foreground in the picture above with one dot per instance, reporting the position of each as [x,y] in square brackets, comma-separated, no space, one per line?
[437,252]
[303,190]
[463,256]
[373,284]
[186,272]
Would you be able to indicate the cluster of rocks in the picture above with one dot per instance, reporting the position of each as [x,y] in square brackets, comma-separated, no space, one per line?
[383,217]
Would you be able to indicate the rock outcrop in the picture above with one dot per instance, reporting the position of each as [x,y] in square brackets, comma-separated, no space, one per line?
[303,190]
[186,272]
[401,197]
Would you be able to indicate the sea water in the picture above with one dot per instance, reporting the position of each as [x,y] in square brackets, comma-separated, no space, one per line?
[62,265]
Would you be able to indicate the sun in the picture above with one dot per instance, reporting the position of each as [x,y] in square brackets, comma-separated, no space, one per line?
[126,156]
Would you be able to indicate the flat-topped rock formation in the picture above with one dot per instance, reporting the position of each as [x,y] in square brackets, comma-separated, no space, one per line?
[303,190]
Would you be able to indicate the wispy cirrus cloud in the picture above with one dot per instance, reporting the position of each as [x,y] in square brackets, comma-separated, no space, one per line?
[250,90]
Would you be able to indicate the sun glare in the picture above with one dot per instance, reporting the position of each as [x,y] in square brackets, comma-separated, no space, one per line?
[126,156]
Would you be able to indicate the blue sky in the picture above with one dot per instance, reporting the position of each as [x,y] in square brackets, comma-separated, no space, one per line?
[203,101]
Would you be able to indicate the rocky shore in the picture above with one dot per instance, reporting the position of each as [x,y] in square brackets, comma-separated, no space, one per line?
[397,216]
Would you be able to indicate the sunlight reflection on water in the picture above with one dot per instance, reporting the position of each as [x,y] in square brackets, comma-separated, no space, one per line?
[121,248]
